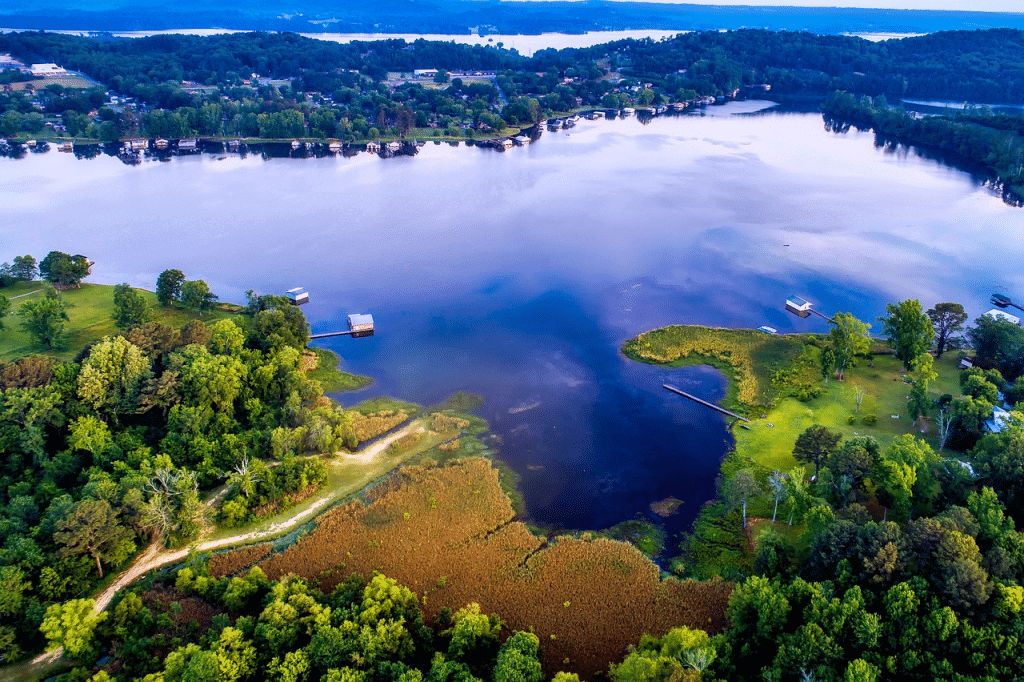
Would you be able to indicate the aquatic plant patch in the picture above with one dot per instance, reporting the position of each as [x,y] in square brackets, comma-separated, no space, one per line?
[449,534]
[751,354]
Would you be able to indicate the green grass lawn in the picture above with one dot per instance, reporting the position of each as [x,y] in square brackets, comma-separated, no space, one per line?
[89,318]
[769,442]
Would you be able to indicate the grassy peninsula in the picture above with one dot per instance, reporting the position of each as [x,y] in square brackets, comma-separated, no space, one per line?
[905,465]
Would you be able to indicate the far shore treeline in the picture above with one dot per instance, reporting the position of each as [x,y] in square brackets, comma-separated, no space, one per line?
[273,86]
[260,86]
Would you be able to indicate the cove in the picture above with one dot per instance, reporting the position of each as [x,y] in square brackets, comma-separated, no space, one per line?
[518,275]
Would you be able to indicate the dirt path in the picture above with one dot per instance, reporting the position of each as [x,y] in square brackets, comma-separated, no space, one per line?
[156,556]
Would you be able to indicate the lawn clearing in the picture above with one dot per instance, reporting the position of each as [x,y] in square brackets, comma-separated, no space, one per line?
[770,440]
[89,318]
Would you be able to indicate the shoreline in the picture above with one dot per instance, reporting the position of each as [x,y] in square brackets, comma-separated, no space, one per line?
[133,150]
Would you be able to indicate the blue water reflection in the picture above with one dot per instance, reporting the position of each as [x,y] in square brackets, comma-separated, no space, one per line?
[519,275]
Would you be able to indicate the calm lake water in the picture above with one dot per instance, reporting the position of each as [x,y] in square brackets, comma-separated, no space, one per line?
[518,275]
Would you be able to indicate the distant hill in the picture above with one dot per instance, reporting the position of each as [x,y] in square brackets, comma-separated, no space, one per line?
[463,16]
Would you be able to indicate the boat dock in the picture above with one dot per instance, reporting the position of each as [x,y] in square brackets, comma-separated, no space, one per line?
[705,403]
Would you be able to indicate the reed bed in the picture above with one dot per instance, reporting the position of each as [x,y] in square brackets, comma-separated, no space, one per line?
[751,353]
[369,426]
[442,423]
[237,560]
[447,533]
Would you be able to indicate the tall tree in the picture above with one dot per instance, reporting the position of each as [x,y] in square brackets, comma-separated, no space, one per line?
[816,444]
[740,489]
[5,307]
[168,286]
[71,624]
[847,339]
[946,319]
[24,268]
[130,308]
[113,376]
[63,270]
[92,527]
[44,320]
[779,490]
[196,294]
[999,342]
[909,330]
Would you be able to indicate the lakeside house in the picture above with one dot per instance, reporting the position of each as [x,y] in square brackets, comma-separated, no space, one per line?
[1002,315]
[190,144]
[393,146]
[360,324]
[798,306]
[297,296]
[334,147]
[373,147]
[998,421]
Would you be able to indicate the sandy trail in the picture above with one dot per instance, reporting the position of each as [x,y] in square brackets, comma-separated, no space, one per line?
[156,556]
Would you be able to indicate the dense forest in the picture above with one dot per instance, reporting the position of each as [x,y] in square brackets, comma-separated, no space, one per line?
[283,85]
[113,450]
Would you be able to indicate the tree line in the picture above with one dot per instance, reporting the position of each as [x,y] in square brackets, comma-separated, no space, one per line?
[340,90]
[994,141]
[110,451]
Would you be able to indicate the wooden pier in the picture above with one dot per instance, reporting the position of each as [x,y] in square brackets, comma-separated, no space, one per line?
[329,334]
[705,403]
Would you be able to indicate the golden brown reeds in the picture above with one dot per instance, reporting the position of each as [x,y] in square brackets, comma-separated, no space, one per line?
[447,533]
[237,560]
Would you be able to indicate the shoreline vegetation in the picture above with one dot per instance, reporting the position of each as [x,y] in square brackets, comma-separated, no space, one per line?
[396,481]
[424,502]
[300,96]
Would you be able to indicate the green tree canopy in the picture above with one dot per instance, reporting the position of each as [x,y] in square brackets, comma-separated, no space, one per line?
[196,294]
[168,286]
[815,445]
[92,527]
[998,342]
[847,339]
[5,308]
[63,270]
[71,625]
[24,268]
[947,319]
[909,330]
[130,307]
[113,376]
[44,320]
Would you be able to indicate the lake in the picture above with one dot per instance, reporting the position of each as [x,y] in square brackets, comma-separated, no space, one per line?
[518,275]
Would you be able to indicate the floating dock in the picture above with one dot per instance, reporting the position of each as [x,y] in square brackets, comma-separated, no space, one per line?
[359,325]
